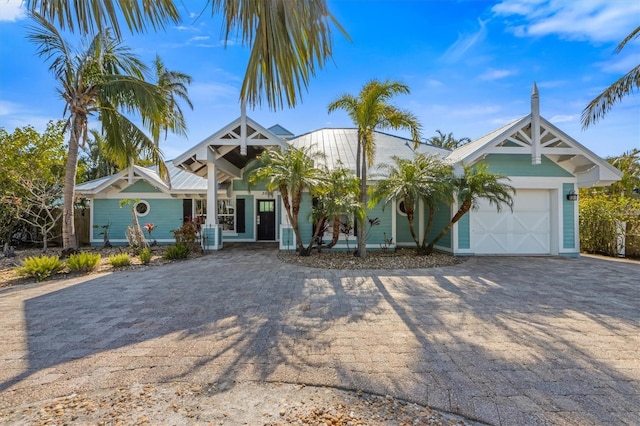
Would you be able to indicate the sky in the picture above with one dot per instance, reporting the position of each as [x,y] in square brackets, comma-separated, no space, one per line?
[470,66]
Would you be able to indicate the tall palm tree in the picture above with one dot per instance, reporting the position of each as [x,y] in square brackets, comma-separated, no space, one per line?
[370,111]
[289,40]
[423,178]
[96,160]
[291,172]
[105,79]
[629,164]
[476,183]
[613,94]
[447,141]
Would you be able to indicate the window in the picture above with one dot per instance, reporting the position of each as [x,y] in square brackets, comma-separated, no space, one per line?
[227,215]
[401,209]
[200,211]
[142,208]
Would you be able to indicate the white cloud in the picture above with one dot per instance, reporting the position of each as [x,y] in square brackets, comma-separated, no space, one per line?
[199,38]
[590,20]
[12,10]
[464,43]
[496,74]
[619,64]
[563,118]
[434,83]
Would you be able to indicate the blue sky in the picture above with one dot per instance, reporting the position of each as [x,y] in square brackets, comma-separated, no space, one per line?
[470,66]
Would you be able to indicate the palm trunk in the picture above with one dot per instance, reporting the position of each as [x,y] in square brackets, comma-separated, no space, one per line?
[295,209]
[69,241]
[284,192]
[427,230]
[336,232]
[307,251]
[464,208]
[362,241]
[358,154]
[410,218]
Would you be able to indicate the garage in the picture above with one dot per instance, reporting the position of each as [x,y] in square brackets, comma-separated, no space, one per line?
[526,230]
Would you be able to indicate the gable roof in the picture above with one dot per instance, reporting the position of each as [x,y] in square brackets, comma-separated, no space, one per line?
[516,138]
[340,145]
[182,182]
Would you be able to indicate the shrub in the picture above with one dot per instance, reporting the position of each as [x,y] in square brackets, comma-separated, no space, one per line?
[187,235]
[145,255]
[179,251]
[40,267]
[119,260]
[83,261]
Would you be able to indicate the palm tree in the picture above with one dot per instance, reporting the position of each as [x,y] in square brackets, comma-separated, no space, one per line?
[291,172]
[289,39]
[629,164]
[476,183]
[447,141]
[105,79]
[370,111]
[337,197]
[96,162]
[613,94]
[407,181]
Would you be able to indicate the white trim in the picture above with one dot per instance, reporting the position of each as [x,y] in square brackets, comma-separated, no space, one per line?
[144,202]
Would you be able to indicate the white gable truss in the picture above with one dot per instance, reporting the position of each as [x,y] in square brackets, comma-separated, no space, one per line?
[122,180]
[230,149]
[518,138]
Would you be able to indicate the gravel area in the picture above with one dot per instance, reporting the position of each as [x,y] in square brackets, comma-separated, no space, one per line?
[250,403]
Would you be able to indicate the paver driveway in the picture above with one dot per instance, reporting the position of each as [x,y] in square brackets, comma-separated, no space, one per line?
[501,340]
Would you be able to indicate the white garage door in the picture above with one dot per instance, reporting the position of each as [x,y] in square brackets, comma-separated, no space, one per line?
[526,230]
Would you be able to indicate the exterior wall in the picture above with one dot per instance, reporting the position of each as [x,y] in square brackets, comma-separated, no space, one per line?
[249,217]
[164,213]
[403,234]
[441,219]
[569,227]
[140,186]
[520,165]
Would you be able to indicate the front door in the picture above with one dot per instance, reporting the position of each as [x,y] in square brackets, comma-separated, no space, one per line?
[266,220]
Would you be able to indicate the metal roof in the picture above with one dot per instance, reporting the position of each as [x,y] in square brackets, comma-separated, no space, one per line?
[340,144]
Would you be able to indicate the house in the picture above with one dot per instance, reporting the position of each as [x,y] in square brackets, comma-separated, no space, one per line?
[209,184]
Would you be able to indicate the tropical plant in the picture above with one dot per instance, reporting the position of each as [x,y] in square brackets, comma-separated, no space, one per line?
[83,261]
[95,159]
[187,234]
[613,94]
[291,172]
[105,79]
[134,232]
[40,267]
[337,198]
[178,251]
[409,181]
[120,260]
[289,40]
[477,183]
[370,111]
[145,255]
[447,141]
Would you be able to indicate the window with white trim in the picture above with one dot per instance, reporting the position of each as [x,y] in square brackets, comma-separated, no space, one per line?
[142,208]
[227,215]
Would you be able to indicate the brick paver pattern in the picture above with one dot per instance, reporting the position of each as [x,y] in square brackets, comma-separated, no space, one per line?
[504,340]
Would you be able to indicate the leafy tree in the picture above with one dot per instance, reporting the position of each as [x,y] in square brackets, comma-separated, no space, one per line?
[290,172]
[38,206]
[106,79]
[338,197]
[476,183]
[27,156]
[629,164]
[370,111]
[288,40]
[613,94]
[423,178]
[447,141]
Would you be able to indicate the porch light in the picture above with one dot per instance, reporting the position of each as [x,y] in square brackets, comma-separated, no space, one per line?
[572,196]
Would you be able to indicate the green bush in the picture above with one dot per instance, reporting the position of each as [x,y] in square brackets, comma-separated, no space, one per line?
[83,262]
[145,255]
[601,222]
[179,251]
[40,267]
[119,260]
[187,235]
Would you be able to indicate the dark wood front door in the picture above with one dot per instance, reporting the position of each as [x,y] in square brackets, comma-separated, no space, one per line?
[266,220]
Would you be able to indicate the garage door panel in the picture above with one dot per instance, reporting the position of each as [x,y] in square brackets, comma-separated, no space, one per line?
[525,230]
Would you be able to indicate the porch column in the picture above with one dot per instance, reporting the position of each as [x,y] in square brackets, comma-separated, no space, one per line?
[212,231]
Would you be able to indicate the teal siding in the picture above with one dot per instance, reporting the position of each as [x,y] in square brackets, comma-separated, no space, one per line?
[165,214]
[464,232]
[403,233]
[287,239]
[520,165]
[140,186]
[568,218]
[441,218]
[243,184]
[304,219]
